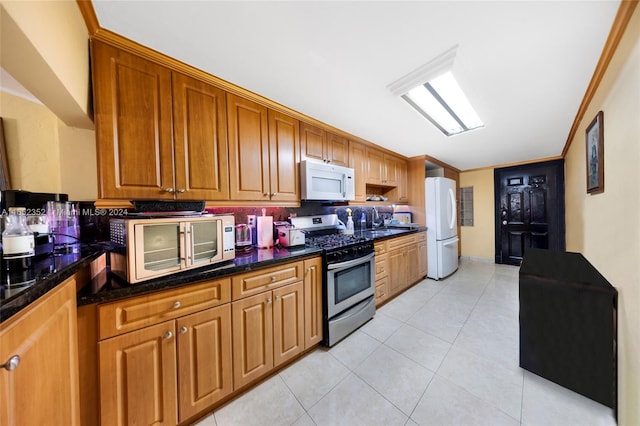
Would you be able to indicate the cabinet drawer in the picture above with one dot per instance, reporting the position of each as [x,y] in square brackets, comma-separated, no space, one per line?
[130,314]
[402,241]
[380,247]
[382,290]
[421,236]
[251,283]
[382,266]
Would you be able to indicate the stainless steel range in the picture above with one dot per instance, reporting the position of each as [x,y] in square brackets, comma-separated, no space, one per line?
[349,275]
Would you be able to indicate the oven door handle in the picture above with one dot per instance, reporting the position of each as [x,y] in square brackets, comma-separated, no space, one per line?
[351,263]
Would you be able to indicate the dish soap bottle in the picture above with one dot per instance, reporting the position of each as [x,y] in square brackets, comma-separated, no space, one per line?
[349,230]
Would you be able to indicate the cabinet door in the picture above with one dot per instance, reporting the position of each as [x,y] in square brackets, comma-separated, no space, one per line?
[283,156]
[43,389]
[398,270]
[422,259]
[391,172]
[358,162]
[375,166]
[382,290]
[312,141]
[248,149]
[312,302]
[337,150]
[401,181]
[204,360]
[132,101]
[138,377]
[200,140]
[413,264]
[252,338]
[288,322]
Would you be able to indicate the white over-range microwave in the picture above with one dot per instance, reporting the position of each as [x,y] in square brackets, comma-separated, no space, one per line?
[153,247]
[326,182]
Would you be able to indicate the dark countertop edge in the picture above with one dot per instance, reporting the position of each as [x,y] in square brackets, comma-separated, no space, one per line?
[43,286]
[189,277]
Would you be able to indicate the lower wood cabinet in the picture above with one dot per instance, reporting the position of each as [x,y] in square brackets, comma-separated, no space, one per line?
[268,329]
[204,360]
[400,262]
[42,389]
[138,377]
[167,357]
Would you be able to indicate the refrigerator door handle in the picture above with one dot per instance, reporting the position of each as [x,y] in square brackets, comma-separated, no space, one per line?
[452,198]
[450,243]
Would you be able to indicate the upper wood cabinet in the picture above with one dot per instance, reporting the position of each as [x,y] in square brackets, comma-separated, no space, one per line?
[133,114]
[402,182]
[317,144]
[262,152]
[383,169]
[358,162]
[160,134]
[200,140]
[43,339]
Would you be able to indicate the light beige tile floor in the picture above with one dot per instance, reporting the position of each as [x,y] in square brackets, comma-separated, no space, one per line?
[442,353]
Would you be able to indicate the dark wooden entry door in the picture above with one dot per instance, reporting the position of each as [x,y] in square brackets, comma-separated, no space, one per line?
[529,209]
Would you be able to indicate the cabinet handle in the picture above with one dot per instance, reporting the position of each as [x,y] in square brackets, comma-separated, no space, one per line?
[277,298]
[183,329]
[273,278]
[169,190]
[168,335]
[176,304]
[268,301]
[266,194]
[181,190]
[273,194]
[12,363]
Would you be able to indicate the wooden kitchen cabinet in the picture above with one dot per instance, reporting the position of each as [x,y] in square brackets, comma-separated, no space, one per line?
[200,140]
[387,170]
[358,162]
[402,189]
[165,357]
[205,370]
[268,329]
[138,377]
[406,265]
[133,114]
[160,134]
[318,144]
[312,302]
[263,156]
[43,388]
[382,290]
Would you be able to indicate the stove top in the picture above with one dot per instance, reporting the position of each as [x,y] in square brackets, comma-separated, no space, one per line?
[330,241]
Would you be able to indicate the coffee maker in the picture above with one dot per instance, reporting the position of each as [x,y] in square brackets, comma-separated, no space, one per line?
[36,212]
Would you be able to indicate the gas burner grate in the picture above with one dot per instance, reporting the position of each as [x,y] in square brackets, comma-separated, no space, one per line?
[334,240]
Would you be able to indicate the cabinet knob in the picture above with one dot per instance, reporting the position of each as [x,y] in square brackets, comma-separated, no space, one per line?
[268,301]
[277,298]
[266,194]
[169,190]
[181,190]
[273,194]
[168,335]
[12,363]
[176,304]
[273,278]
[183,329]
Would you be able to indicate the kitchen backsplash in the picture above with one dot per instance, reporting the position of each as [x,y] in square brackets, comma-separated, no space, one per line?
[94,223]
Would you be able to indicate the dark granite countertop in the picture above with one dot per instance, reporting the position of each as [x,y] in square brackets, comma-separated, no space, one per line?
[110,287]
[18,289]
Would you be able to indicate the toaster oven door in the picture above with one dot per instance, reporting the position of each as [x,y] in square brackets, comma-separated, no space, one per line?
[159,248]
[204,240]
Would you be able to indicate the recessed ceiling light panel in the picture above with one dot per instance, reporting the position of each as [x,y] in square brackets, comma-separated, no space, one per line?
[434,92]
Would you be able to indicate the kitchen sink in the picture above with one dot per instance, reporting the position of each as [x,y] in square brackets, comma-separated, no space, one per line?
[374,233]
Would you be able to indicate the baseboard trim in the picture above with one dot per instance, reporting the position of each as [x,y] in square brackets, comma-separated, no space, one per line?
[477,259]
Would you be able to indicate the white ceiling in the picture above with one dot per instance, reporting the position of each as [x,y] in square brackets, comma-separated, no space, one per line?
[524,65]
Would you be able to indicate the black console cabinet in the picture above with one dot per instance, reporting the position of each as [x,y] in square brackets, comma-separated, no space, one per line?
[568,331]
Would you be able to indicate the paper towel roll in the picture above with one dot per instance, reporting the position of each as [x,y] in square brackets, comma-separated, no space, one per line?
[265,231]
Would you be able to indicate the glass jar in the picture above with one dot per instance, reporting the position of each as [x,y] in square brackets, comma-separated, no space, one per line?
[18,242]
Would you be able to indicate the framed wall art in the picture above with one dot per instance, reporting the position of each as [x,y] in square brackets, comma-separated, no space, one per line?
[595,155]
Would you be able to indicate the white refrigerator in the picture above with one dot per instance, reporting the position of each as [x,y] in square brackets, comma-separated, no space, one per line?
[442,228]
